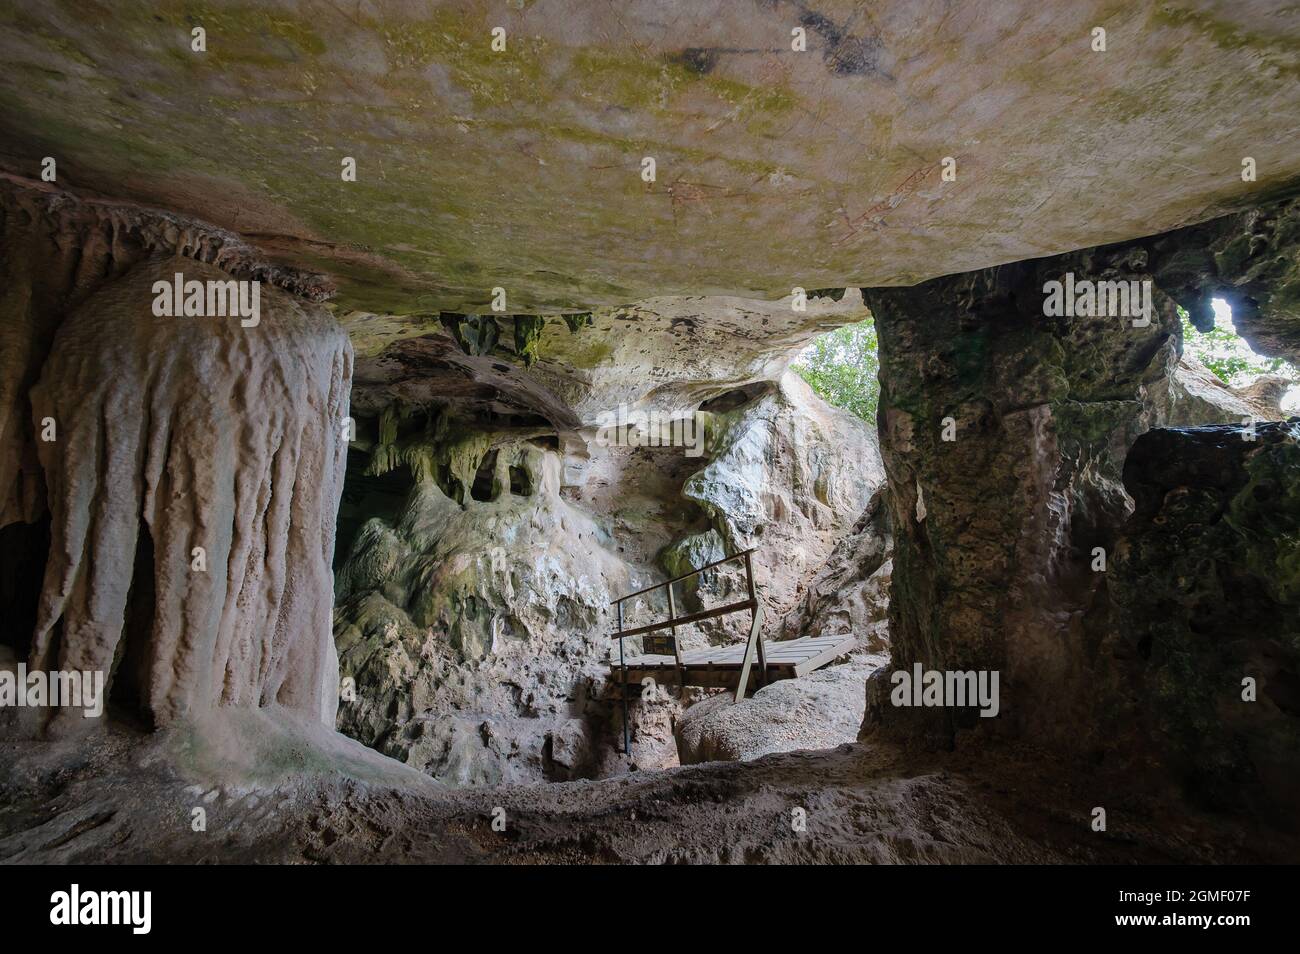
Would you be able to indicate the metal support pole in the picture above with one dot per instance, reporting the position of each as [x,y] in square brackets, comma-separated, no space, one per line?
[627,732]
[677,651]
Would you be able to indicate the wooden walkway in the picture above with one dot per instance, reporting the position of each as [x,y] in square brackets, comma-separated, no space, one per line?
[723,667]
[720,666]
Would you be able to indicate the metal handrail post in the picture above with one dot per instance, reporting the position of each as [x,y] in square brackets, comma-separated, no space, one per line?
[627,735]
[677,650]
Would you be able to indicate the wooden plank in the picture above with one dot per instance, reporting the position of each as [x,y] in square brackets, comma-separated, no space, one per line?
[784,653]
[677,648]
[757,612]
[718,654]
[824,656]
[713,679]
[721,666]
[751,650]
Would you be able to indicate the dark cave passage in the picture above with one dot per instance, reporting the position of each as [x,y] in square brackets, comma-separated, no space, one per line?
[24,549]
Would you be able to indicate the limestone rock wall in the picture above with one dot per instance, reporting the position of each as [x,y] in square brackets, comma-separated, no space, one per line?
[1206,581]
[819,711]
[789,476]
[1251,260]
[476,630]
[1195,396]
[999,529]
[995,528]
[849,593]
[476,625]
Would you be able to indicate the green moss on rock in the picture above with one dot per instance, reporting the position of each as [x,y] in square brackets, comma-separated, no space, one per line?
[528,337]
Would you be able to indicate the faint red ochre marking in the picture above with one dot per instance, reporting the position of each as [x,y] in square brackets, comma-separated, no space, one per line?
[874,217]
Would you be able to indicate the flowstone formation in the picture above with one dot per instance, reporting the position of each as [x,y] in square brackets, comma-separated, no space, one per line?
[56,249]
[193,523]
[474,626]
[184,471]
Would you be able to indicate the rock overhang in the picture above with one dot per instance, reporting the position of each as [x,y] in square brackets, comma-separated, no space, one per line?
[521,169]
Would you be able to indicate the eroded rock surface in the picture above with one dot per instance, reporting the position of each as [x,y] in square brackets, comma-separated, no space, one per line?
[476,630]
[1252,261]
[789,477]
[168,487]
[1196,396]
[849,593]
[775,168]
[284,794]
[193,484]
[1005,427]
[1003,432]
[1207,582]
[818,711]
[476,626]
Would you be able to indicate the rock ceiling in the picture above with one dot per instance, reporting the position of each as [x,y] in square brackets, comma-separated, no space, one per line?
[774,167]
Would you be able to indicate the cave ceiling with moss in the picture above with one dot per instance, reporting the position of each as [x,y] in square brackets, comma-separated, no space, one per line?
[774,168]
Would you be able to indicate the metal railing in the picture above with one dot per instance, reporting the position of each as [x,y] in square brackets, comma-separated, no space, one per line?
[673,621]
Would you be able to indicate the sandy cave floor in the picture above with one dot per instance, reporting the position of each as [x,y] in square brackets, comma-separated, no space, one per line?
[123,799]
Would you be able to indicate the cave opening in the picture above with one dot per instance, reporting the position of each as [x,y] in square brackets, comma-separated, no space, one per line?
[1231,358]
[843,367]
[449,483]
[736,397]
[484,486]
[521,482]
[550,442]
[365,496]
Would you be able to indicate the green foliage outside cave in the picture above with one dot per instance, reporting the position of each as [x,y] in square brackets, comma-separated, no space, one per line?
[842,367]
[1227,355]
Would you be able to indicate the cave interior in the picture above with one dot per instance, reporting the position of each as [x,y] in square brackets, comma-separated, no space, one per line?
[353,366]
